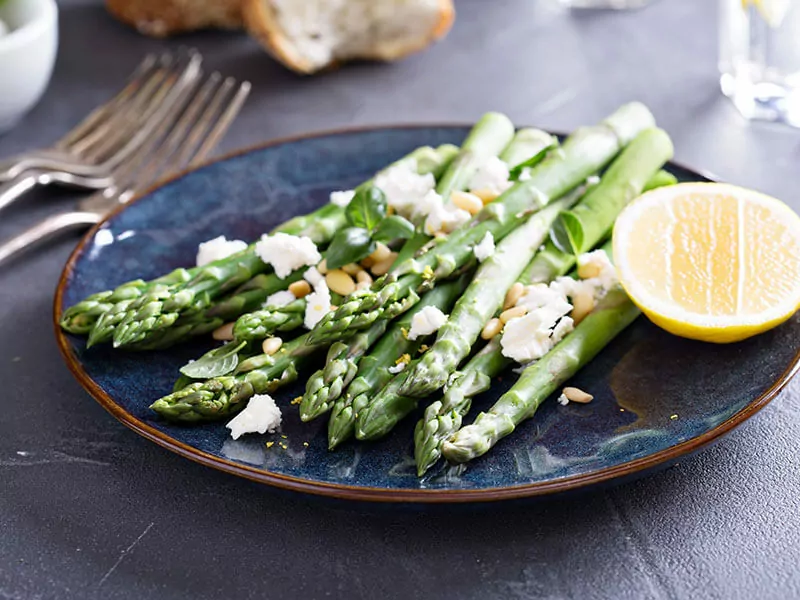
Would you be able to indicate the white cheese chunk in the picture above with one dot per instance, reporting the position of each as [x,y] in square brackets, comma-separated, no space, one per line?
[524,174]
[313,276]
[279,299]
[342,198]
[485,248]
[563,400]
[217,249]
[405,189]
[426,321]
[442,217]
[397,368]
[318,304]
[287,253]
[259,416]
[491,175]
[528,338]
[604,274]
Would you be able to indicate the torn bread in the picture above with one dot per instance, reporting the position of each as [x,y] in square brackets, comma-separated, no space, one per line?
[310,35]
[160,18]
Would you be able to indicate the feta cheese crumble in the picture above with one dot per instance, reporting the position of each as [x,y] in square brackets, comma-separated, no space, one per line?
[405,189]
[261,415]
[563,400]
[287,253]
[441,216]
[279,299]
[217,249]
[318,304]
[485,248]
[397,368]
[313,276]
[426,321]
[529,337]
[525,174]
[491,175]
[342,198]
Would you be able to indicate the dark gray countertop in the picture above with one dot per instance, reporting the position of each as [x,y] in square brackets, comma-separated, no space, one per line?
[90,510]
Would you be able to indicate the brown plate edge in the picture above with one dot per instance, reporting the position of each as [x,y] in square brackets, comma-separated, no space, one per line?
[372,494]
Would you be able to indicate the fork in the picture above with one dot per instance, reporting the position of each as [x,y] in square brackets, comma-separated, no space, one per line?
[193,129]
[87,156]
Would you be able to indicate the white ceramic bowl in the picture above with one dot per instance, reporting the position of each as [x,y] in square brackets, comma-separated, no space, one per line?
[27,54]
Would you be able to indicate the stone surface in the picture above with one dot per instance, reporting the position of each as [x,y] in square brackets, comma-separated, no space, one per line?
[90,510]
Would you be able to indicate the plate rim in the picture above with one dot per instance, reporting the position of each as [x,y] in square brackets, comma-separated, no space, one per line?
[369,493]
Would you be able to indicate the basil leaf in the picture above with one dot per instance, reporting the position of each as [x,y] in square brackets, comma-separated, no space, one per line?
[513,174]
[393,227]
[367,208]
[567,233]
[217,362]
[349,245]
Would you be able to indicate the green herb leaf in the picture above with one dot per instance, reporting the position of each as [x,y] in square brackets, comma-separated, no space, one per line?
[393,227]
[367,208]
[220,361]
[534,160]
[349,245]
[567,233]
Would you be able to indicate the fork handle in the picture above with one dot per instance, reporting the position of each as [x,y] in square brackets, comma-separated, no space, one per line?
[14,188]
[47,229]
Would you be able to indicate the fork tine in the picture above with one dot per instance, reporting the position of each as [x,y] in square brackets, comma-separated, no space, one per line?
[155,166]
[222,125]
[120,124]
[93,119]
[159,112]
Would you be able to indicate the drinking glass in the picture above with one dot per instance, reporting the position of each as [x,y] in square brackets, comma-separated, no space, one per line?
[759,58]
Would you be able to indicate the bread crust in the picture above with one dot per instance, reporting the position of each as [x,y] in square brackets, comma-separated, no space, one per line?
[162,18]
[262,23]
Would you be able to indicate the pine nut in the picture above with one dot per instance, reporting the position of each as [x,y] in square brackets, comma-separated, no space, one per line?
[322,267]
[513,294]
[582,305]
[382,267]
[300,289]
[223,333]
[466,201]
[486,195]
[367,262]
[363,285]
[271,345]
[363,277]
[574,394]
[352,269]
[382,252]
[491,329]
[588,270]
[513,313]
[340,282]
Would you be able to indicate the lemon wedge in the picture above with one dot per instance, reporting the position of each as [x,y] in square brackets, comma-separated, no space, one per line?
[772,11]
[710,261]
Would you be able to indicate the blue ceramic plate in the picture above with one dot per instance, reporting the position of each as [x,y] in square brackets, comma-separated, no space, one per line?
[657,397]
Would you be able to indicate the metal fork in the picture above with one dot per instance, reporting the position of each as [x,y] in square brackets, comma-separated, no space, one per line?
[194,128]
[87,156]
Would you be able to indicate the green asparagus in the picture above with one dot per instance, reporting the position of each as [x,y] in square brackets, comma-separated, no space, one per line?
[613,314]
[130,322]
[584,153]
[373,369]
[480,301]
[224,396]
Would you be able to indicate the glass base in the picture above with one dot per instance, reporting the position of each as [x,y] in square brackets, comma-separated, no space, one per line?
[606,4]
[763,100]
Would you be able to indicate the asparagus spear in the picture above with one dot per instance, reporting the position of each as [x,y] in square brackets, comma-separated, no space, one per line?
[613,314]
[373,369]
[221,397]
[624,180]
[201,284]
[325,386]
[585,152]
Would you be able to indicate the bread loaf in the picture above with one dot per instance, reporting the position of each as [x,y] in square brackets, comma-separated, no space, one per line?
[161,18]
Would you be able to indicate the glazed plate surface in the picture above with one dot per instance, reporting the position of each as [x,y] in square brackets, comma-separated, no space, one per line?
[657,397]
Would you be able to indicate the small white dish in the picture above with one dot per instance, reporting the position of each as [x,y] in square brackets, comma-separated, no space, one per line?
[27,55]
